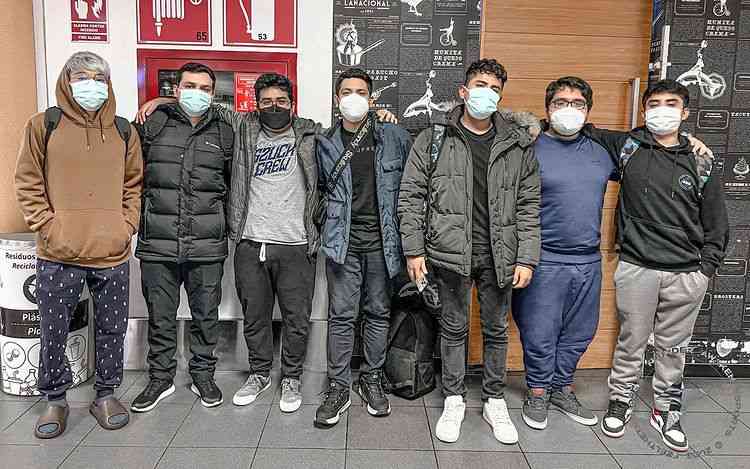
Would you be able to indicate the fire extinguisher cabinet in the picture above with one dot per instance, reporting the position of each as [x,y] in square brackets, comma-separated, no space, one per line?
[19,321]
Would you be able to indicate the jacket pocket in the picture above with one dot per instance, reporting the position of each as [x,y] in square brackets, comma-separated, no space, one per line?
[660,244]
[88,234]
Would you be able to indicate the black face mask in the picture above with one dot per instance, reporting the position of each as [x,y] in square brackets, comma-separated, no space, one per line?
[275,118]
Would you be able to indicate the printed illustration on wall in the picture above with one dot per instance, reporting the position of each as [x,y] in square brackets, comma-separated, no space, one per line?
[705,45]
[416,51]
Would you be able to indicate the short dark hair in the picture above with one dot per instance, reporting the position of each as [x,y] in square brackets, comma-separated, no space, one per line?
[271,80]
[195,67]
[667,86]
[354,73]
[573,83]
[490,66]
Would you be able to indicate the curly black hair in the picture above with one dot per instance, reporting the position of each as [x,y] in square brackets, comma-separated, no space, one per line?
[268,80]
[573,83]
[490,66]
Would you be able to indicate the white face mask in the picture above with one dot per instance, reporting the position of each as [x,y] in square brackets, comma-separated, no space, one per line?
[354,107]
[567,121]
[663,120]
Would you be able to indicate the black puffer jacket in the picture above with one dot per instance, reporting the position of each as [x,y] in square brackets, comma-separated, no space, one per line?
[185,184]
[513,195]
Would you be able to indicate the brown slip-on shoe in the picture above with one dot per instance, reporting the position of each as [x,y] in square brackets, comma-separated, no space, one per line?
[52,415]
[110,414]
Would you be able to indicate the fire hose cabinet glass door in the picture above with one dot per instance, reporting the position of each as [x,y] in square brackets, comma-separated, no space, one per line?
[19,321]
[236,73]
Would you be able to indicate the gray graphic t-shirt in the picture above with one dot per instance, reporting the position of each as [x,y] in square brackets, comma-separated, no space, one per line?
[277,192]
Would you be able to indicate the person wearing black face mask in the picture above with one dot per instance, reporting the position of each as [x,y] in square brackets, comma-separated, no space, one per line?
[274,191]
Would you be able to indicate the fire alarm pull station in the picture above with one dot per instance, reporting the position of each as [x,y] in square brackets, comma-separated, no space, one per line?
[260,19]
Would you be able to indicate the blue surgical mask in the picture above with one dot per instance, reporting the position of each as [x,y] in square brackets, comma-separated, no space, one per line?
[482,102]
[194,101]
[90,94]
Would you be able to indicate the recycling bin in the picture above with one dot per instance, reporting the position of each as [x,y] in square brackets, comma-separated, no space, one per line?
[19,321]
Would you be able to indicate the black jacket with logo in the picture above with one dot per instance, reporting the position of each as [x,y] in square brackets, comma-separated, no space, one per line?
[665,221]
[186,176]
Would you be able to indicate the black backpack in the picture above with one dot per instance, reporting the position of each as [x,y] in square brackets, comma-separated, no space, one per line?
[409,364]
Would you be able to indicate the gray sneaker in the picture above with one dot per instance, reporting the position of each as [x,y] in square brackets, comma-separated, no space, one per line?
[252,388]
[567,402]
[291,395]
[535,410]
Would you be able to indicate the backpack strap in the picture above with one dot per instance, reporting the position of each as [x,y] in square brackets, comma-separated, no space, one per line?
[123,128]
[153,126]
[631,146]
[398,320]
[52,118]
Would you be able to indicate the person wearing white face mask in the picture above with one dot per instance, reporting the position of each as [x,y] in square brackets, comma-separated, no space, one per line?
[78,184]
[182,239]
[359,236]
[476,175]
[558,313]
[672,235]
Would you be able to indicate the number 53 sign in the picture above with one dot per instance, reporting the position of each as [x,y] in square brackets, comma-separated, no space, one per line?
[174,22]
[271,23]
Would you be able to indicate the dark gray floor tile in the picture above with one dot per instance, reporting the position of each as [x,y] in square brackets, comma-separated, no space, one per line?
[694,399]
[32,457]
[11,397]
[80,422]
[571,461]
[727,462]
[223,426]
[562,435]
[655,461]
[11,410]
[155,428]
[476,460]
[109,458]
[266,458]
[704,430]
[393,459]
[85,392]
[732,395]
[296,430]
[476,434]
[405,428]
[201,458]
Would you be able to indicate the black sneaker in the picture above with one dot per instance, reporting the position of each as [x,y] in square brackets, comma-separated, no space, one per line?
[208,391]
[618,414]
[335,402]
[155,391]
[369,386]
[667,423]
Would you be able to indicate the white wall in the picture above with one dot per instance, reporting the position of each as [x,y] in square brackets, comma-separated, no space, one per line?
[314,51]
[314,57]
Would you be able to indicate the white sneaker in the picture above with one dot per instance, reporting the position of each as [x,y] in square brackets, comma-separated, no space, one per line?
[449,425]
[495,413]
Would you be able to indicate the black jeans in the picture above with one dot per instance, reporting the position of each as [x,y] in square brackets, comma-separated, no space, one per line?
[361,284]
[161,288]
[58,287]
[284,272]
[455,291]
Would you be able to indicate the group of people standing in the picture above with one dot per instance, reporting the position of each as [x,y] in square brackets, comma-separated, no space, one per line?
[484,197]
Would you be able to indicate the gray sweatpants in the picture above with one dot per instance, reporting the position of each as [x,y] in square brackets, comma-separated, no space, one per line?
[667,304]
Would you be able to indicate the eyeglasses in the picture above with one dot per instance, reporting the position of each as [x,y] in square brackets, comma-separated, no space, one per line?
[279,102]
[561,103]
[81,76]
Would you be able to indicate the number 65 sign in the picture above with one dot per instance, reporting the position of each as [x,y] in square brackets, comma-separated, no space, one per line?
[174,22]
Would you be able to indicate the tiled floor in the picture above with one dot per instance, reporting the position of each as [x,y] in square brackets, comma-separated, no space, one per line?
[182,434]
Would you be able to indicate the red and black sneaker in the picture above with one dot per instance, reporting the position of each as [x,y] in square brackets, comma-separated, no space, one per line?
[667,423]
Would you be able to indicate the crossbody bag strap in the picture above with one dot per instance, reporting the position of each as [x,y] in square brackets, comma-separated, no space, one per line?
[346,157]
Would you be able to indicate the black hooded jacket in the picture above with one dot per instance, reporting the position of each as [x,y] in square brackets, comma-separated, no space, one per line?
[665,221]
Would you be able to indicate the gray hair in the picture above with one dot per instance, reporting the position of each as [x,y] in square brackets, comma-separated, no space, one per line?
[86,61]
